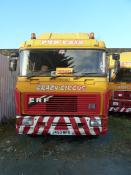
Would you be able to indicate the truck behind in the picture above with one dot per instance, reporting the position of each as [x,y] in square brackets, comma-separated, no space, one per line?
[121,85]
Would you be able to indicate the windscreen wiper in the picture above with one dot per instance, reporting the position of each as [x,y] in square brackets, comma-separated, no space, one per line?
[92,74]
[85,73]
[56,76]
[34,74]
[88,73]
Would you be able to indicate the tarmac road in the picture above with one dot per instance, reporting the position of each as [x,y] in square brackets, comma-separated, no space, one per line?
[54,155]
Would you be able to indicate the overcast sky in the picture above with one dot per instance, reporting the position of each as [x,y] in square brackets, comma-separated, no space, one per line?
[110,20]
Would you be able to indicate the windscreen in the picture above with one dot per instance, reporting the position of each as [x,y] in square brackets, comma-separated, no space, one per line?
[45,61]
[124,75]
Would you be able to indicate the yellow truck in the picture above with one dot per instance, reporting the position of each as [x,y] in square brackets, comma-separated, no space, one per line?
[62,87]
[121,85]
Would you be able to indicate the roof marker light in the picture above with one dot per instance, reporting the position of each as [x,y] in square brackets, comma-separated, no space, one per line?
[91,35]
[33,36]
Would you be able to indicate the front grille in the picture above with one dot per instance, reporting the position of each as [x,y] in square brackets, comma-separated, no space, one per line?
[125,104]
[62,103]
[127,95]
[122,95]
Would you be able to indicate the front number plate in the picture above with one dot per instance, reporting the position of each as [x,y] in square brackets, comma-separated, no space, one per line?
[60,132]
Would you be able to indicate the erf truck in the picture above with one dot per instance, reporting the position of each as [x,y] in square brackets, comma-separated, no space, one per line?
[62,87]
[121,85]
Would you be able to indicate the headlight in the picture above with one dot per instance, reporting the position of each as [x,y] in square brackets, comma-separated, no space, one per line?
[27,121]
[95,122]
[91,106]
[120,95]
[115,103]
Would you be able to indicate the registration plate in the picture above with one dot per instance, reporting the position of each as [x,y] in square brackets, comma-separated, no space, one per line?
[60,132]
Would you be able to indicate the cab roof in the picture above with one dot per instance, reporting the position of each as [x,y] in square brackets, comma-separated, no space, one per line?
[63,40]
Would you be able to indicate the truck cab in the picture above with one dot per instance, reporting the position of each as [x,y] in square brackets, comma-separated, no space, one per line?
[62,86]
[121,85]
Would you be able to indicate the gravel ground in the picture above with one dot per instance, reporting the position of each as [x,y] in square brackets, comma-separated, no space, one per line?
[60,155]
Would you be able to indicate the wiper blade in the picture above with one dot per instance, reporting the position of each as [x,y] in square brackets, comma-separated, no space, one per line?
[88,73]
[34,74]
[56,76]
[97,74]
[85,73]
[30,75]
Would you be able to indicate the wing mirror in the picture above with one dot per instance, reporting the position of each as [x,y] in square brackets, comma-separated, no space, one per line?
[13,61]
[116,58]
